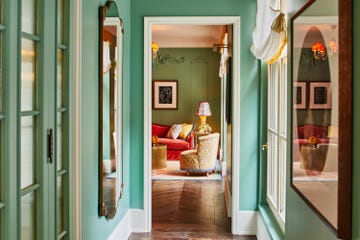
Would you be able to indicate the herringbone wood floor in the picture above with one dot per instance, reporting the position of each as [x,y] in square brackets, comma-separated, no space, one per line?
[191,210]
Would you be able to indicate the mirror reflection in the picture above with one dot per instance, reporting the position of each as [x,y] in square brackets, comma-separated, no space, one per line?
[111,38]
[316,108]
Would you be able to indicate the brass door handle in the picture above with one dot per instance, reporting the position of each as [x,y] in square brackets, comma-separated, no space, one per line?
[265,146]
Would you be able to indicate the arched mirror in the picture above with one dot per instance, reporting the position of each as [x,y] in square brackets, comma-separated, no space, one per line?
[322,110]
[110,111]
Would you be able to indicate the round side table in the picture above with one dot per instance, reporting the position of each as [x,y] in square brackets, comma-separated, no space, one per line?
[159,153]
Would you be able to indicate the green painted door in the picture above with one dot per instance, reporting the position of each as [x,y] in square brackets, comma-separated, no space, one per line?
[34,202]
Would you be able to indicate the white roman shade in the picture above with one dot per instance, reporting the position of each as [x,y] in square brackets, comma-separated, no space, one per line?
[269,35]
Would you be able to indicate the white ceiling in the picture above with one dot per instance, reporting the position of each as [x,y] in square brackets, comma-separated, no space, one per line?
[187,36]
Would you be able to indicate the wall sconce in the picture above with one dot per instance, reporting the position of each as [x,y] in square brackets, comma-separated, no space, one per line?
[155,49]
[332,43]
[319,51]
[203,111]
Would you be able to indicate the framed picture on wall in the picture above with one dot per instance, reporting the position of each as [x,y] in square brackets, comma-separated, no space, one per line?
[165,94]
[300,95]
[320,95]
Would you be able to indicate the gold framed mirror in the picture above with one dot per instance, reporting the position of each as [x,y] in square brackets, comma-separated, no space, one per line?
[321,65]
[110,109]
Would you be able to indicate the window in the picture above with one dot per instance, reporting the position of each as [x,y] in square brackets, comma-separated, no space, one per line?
[277,138]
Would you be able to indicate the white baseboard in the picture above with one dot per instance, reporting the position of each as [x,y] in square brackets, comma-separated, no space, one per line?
[261,231]
[138,220]
[123,229]
[133,221]
[244,223]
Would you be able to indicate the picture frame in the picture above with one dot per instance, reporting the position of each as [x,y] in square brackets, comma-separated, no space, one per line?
[299,95]
[165,94]
[320,95]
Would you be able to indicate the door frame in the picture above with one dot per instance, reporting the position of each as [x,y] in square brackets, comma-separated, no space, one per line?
[75,189]
[210,20]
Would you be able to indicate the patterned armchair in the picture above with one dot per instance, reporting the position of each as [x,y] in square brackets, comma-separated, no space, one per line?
[202,159]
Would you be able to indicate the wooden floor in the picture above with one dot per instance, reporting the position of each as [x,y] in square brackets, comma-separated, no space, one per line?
[193,210]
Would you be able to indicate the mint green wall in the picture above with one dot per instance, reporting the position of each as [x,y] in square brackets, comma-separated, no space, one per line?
[93,226]
[198,80]
[301,221]
[249,87]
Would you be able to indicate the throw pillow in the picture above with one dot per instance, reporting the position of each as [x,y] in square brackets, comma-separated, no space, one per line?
[174,131]
[185,130]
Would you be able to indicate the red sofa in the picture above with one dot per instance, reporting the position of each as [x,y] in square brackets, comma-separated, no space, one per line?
[174,146]
[301,137]
[306,131]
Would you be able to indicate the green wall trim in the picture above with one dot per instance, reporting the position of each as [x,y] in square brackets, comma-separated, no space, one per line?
[270,222]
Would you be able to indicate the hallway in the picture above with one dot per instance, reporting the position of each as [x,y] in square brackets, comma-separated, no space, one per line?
[188,210]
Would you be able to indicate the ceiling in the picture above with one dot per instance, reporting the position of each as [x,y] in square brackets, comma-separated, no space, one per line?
[187,36]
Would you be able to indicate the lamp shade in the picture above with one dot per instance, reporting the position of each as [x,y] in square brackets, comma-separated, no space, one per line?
[203,109]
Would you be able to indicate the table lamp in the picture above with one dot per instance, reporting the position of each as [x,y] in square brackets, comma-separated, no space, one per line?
[203,111]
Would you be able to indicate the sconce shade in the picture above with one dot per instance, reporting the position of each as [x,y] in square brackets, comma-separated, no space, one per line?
[154,48]
[319,51]
[203,109]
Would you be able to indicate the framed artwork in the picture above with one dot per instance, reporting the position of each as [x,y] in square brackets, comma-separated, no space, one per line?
[299,95]
[165,94]
[320,95]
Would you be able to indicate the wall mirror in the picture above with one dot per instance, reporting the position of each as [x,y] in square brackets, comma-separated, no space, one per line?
[110,111]
[322,110]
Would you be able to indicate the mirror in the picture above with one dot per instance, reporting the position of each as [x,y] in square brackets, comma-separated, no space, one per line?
[322,110]
[110,114]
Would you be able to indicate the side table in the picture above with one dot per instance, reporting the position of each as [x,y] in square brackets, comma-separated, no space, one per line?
[159,152]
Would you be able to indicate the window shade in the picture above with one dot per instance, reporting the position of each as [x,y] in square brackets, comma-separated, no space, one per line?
[269,35]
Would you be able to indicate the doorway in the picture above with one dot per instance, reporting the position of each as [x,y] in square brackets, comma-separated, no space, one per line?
[235,116]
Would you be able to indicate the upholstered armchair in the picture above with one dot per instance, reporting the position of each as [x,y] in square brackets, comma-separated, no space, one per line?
[202,159]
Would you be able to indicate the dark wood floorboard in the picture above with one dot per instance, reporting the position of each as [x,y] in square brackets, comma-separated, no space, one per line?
[192,210]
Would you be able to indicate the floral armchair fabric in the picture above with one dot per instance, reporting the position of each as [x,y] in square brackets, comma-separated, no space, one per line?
[203,159]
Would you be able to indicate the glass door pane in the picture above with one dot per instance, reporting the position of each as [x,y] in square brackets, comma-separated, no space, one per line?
[28,80]
[61,124]
[28,16]
[27,152]
[29,159]
[28,217]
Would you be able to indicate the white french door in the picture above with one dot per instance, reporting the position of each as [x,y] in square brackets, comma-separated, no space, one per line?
[35,161]
[277,138]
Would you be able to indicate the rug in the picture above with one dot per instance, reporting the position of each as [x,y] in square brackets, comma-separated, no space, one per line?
[301,175]
[111,175]
[172,172]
